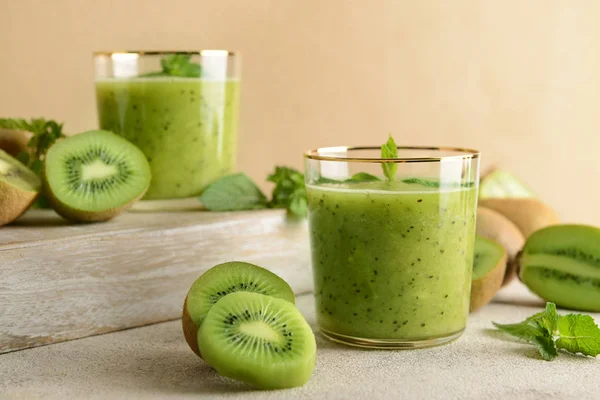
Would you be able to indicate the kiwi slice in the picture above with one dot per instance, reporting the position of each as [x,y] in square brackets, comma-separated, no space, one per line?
[489,265]
[258,339]
[19,187]
[94,176]
[222,280]
[495,226]
[561,264]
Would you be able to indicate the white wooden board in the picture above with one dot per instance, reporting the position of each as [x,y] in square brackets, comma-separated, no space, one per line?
[60,281]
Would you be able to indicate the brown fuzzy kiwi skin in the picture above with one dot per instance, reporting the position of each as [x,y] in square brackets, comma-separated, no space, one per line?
[528,214]
[14,202]
[485,288]
[84,216]
[13,141]
[190,330]
[495,226]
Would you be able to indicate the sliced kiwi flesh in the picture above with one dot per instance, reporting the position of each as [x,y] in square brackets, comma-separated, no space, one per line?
[95,175]
[220,281]
[561,264]
[500,184]
[489,265]
[19,187]
[495,226]
[258,339]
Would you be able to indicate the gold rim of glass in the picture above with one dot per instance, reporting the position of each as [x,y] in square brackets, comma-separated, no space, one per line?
[315,154]
[207,52]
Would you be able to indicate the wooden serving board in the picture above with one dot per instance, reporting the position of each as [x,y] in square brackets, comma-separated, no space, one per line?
[60,281]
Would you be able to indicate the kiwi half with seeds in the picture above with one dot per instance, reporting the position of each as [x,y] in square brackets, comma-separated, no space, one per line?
[561,264]
[258,339]
[221,280]
[94,176]
[19,187]
[489,265]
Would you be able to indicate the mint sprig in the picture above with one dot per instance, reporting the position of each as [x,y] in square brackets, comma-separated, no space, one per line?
[44,134]
[550,332]
[177,65]
[389,150]
[289,191]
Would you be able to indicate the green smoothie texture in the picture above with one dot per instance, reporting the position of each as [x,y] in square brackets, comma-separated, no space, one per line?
[186,127]
[392,260]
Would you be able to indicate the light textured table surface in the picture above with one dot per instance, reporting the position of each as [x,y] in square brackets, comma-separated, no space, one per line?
[154,362]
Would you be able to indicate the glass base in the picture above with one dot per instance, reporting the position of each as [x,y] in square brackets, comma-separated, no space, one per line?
[187,204]
[391,344]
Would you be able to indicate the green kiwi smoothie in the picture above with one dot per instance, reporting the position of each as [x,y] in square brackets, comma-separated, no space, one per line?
[186,127]
[391,260]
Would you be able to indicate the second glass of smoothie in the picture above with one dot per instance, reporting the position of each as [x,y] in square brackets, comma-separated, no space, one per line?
[392,257]
[179,108]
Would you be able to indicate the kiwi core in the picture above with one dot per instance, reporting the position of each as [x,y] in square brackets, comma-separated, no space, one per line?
[98,169]
[260,330]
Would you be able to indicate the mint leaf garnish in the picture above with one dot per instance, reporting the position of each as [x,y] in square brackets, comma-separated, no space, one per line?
[233,193]
[546,346]
[578,334]
[356,178]
[363,177]
[289,191]
[177,65]
[549,331]
[422,182]
[389,150]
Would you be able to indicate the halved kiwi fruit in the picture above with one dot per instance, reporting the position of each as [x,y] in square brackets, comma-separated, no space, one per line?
[501,184]
[561,264]
[13,141]
[527,214]
[94,176]
[495,226]
[489,264]
[19,187]
[258,339]
[222,280]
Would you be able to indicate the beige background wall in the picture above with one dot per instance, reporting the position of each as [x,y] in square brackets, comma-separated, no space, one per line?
[519,80]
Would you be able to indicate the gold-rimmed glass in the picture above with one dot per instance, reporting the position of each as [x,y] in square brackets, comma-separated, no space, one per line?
[185,121]
[392,258]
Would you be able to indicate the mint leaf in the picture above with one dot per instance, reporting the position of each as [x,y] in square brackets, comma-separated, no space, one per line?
[363,177]
[289,191]
[422,182]
[546,346]
[356,178]
[550,331]
[578,334]
[233,193]
[298,203]
[389,150]
[547,319]
[524,330]
[177,65]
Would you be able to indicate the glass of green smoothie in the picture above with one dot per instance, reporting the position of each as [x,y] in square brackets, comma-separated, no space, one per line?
[179,108]
[392,243]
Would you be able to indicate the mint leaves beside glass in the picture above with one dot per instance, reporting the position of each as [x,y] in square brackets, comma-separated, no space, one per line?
[389,150]
[44,134]
[238,192]
[177,65]
[550,332]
